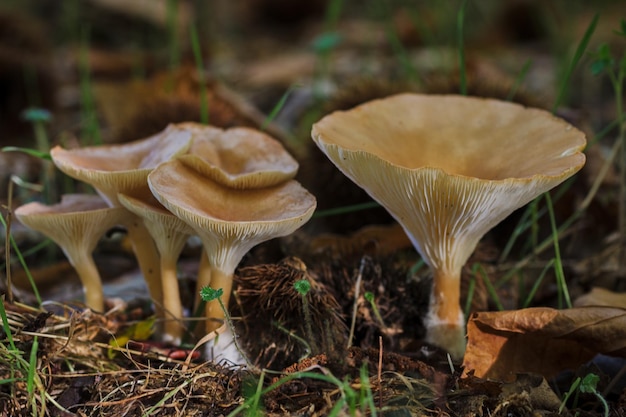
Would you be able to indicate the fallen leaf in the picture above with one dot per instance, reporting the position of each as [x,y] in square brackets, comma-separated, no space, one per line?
[601,297]
[137,332]
[542,340]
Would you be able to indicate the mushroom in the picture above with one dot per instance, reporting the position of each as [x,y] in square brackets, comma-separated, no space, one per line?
[169,234]
[229,221]
[123,169]
[76,224]
[449,168]
[239,157]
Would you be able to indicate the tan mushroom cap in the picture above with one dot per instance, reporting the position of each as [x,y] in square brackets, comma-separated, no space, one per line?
[239,157]
[113,169]
[75,224]
[230,221]
[78,217]
[449,168]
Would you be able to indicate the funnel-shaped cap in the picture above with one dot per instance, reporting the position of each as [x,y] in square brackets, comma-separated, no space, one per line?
[449,168]
[113,169]
[230,222]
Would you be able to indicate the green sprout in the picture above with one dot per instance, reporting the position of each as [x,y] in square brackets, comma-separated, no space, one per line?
[369,296]
[303,287]
[587,385]
[209,294]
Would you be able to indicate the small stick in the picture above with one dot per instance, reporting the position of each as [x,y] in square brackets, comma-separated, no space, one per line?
[356,300]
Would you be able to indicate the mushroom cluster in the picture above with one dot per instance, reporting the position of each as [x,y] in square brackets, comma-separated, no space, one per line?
[233,188]
[449,168]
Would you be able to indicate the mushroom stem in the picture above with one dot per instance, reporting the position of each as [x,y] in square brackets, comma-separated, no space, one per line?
[203,278]
[445,322]
[172,305]
[85,266]
[214,312]
[148,259]
[445,296]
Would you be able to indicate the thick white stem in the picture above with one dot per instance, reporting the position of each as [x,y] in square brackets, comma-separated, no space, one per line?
[214,312]
[445,323]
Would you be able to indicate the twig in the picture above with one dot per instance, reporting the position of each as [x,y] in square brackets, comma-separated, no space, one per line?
[357,288]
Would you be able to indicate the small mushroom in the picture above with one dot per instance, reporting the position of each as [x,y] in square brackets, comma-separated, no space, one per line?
[229,221]
[169,234]
[239,157]
[449,168]
[76,224]
[124,169]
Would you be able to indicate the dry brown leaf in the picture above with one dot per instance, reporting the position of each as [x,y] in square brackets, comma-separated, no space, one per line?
[601,297]
[542,340]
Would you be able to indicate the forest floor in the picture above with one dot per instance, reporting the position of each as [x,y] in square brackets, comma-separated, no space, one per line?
[543,292]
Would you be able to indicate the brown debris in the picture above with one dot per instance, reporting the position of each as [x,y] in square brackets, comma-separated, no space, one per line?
[274,323]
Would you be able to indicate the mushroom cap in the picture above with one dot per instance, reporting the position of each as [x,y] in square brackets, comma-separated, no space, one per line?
[230,221]
[113,169]
[76,223]
[239,157]
[449,168]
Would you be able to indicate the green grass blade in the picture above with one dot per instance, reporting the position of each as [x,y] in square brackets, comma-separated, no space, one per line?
[18,253]
[477,269]
[255,407]
[537,284]
[173,41]
[558,265]
[580,50]
[32,369]
[5,324]
[278,107]
[28,151]
[369,396]
[346,209]
[519,80]
[470,296]
[460,23]
[90,127]
[197,54]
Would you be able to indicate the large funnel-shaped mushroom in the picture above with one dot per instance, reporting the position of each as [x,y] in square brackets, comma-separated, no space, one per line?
[76,224]
[229,221]
[449,168]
